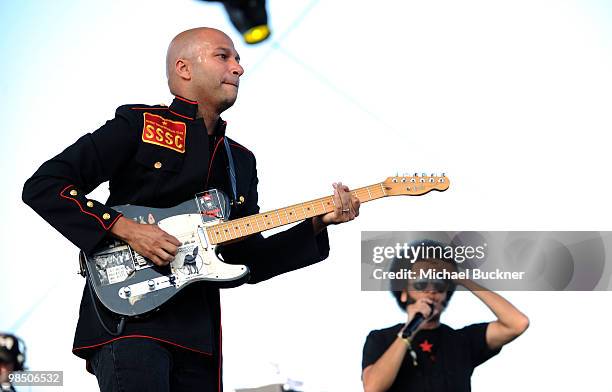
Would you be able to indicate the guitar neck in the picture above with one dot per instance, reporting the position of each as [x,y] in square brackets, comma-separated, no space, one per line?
[242,227]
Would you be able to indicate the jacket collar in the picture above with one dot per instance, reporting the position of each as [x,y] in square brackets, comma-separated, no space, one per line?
[184,108]
[188,109]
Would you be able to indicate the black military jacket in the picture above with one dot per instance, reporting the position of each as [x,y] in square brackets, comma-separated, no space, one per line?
[160,156]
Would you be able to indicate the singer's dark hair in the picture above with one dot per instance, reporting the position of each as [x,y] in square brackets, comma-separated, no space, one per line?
[398,285]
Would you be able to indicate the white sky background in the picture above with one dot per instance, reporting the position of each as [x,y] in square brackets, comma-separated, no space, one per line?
[511,99]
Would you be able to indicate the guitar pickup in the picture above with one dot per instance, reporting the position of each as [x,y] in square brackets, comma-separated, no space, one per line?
[202,237]
[147,286]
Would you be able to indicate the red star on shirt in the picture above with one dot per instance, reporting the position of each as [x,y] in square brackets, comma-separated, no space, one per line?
[426,346]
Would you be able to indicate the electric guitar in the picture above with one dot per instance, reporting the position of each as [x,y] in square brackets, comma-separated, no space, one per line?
[129,284]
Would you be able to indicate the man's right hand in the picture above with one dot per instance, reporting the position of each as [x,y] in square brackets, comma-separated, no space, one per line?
[420,306]
[148,240]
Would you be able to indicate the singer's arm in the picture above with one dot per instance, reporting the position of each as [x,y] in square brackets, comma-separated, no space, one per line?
[510,323]
[380,376]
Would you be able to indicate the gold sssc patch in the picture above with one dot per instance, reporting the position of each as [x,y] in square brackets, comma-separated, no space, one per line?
[163,132]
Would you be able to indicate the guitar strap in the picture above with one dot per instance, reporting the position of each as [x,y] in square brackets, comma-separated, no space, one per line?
[231,170]
[120,325]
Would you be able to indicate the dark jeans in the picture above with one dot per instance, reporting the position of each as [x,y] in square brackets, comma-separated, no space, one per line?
[135,364]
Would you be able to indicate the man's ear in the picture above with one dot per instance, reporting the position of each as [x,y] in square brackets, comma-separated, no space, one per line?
[183,69]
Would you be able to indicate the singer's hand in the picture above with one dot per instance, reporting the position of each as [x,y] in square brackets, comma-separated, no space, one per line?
[423,306]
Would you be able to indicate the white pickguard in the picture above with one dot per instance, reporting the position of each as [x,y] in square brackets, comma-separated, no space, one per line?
[188,265]
[191,231]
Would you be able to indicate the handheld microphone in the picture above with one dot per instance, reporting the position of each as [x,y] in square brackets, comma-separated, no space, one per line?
[417,320]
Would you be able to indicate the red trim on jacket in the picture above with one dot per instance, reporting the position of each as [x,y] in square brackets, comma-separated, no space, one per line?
[239,146]
[220,349]
[143,337]
[89,213]
[180,115]
[186,100]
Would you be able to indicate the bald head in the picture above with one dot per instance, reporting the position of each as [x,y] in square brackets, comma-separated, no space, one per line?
[188,44]
[203,65]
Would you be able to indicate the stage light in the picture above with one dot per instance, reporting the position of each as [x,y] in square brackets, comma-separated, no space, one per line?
[249,17]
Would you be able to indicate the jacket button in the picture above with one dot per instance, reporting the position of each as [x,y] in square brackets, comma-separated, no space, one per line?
[157,165]
[106,216]
[90,204]
[74,192]
[241,199]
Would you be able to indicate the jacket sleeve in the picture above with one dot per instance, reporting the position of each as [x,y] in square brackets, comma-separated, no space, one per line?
[286,251]
[57,190]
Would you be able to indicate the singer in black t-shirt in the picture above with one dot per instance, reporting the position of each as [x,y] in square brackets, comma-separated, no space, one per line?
[435,357]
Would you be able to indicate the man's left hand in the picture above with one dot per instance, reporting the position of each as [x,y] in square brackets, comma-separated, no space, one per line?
[346,208]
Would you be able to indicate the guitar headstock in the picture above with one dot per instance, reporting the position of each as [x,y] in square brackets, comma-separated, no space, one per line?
[414,185]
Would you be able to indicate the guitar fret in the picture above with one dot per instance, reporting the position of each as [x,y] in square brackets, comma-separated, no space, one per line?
[267,223]
[279,219]
[293,214]
[369,194]
[383,189]
[239,229]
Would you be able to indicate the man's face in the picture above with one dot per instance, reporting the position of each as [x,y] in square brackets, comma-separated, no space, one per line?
[216,71]
[435,290]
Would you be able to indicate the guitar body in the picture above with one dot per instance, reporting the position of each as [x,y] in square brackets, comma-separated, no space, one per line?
[128,284]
